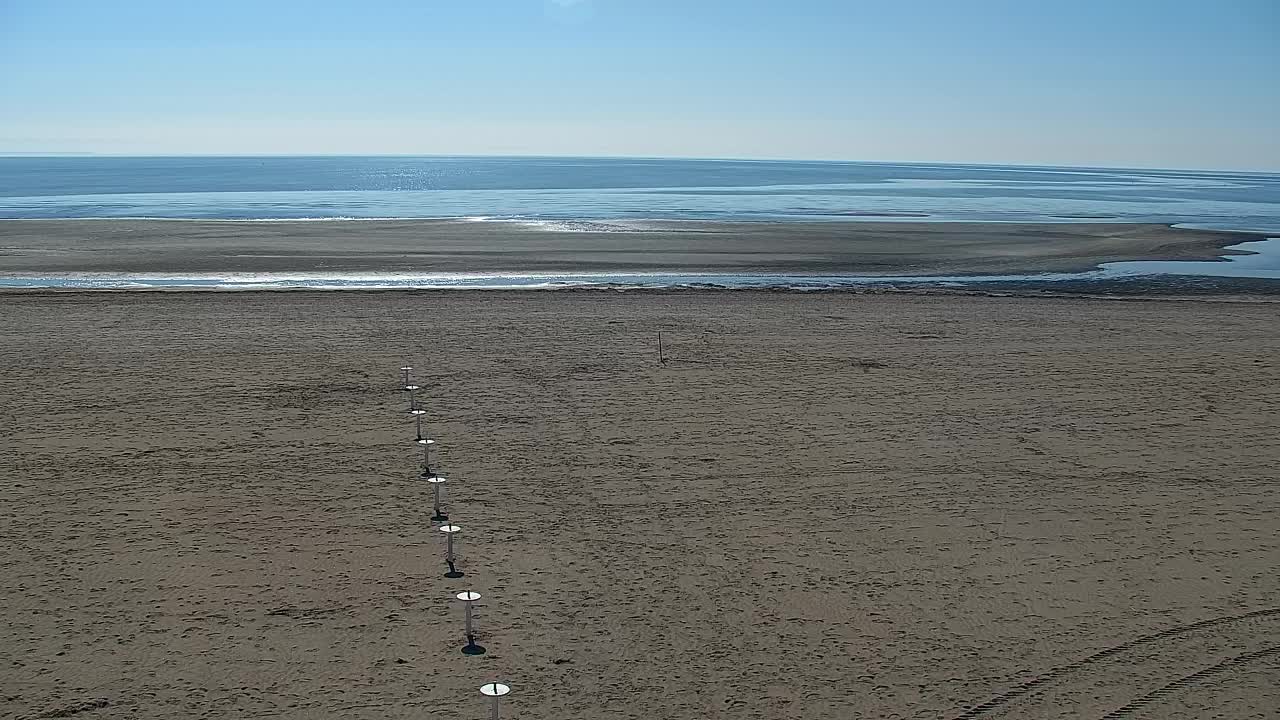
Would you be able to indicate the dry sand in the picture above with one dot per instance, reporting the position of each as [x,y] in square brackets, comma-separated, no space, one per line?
[37,247]
[826,506]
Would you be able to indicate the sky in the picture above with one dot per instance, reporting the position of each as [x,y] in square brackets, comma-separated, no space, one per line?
[1132,83]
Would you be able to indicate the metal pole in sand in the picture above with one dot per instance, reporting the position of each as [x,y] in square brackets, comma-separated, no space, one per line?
[449,531]
[417,414]
[418,437]
[407,384]
[426,444]
[437,482]
[413,399]
[471,647]
[494,690]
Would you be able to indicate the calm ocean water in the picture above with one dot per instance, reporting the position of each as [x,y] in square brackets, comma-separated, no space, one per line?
[573,193]
[597,188]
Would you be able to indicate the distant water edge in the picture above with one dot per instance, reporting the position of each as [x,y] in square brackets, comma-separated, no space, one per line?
[593,189]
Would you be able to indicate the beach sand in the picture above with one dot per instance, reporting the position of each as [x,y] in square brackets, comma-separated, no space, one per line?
[825,506]
[37,247]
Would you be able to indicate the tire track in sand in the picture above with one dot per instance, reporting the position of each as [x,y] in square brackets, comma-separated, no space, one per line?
[1054,677]
[1182,683]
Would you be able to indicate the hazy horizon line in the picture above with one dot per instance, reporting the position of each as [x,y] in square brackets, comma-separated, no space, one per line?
[74,154]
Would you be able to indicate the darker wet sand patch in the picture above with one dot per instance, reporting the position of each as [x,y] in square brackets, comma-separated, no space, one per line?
[50,247]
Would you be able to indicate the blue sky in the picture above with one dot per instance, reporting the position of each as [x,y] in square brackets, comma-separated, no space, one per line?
[1154,83]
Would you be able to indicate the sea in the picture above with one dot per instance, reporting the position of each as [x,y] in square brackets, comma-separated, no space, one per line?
[588,193]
